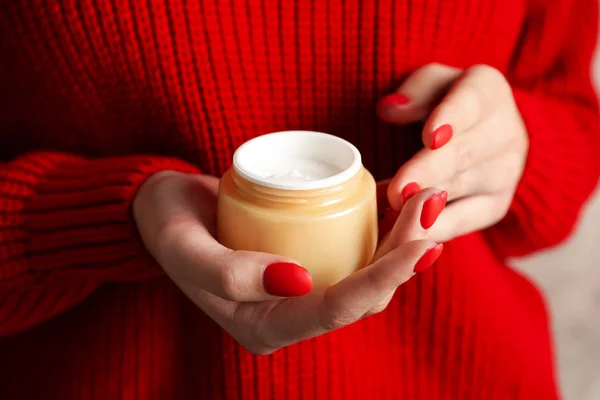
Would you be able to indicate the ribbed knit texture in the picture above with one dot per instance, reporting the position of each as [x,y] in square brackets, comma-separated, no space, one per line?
[96,96]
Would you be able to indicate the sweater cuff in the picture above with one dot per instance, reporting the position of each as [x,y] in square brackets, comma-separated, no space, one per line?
[78,220]
[560,174]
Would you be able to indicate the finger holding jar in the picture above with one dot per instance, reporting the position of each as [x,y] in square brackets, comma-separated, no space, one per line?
[420,212]
[176,218]
[362,294]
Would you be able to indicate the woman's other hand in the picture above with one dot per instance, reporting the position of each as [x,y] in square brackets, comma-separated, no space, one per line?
[475,142]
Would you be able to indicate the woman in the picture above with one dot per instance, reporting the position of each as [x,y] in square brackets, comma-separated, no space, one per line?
[117,117]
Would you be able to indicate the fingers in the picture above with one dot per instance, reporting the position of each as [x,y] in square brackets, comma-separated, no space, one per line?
[467,98]
[471,99]
[195,256]
[418,215]
[468,215]
[355,296]
[180,235]
[457,168]
[418,95]
[471,116]
[480,162]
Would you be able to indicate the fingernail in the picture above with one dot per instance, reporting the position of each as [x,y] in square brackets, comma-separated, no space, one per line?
[287,280]
[428,258]
[409,191]
[432,208]
[387,104]
[441,136]
[394,99]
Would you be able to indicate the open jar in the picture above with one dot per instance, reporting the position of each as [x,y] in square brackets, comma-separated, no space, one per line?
[303,195]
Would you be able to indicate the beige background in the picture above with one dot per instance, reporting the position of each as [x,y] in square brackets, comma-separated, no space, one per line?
[570,276]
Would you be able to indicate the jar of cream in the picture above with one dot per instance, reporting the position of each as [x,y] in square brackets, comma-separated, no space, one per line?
[303,195]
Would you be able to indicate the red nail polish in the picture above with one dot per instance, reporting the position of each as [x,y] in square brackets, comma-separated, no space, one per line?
[441,136]
[432,208]
[428,258]
[394,99]
[409,191]
[386,106]
[287,280]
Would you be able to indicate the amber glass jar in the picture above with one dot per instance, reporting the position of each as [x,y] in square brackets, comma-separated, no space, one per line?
[303,195]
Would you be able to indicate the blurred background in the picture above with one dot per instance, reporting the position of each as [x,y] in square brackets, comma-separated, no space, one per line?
[570,277]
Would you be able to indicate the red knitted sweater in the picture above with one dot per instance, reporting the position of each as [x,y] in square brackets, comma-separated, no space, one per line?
[95,96]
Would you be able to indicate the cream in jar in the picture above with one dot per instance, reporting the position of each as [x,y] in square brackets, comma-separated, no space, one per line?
[303,195]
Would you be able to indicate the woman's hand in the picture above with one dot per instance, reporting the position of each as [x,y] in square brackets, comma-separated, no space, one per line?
[246,292]
[475,142]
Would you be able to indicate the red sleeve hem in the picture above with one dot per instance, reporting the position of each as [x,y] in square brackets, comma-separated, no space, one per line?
[71,217]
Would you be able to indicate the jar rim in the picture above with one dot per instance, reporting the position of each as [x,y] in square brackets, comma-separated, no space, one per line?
[259,159]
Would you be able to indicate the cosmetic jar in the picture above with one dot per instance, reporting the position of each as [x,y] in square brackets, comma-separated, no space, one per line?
[303,195]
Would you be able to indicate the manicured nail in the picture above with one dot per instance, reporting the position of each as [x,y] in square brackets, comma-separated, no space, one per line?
[386,107]
[428,258]
[441,136]
[394,99]
[432,209]
[409,191]
[287,280]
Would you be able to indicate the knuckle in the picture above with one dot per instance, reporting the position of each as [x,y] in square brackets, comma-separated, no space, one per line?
[471,96]
[331,321]
[516,143]
[460,184]
[493,76]
[486,71]
[380,306]
[433,67]
[168,233]
[335,317]
[421,167]
[465,155]
[480,68]
[263,351]
[502,208]
[410,171]
[253,336]
[375,279]
[259,348]
[168,228]
[437,68]
[377,309]
[229,282]
[512,169]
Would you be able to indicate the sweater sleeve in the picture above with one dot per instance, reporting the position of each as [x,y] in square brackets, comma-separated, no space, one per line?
[553,89]
[65,228]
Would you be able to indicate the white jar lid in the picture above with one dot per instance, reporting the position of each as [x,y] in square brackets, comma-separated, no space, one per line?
[297,160]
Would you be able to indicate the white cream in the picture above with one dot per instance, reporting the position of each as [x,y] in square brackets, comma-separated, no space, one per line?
[301,169]
[297,160]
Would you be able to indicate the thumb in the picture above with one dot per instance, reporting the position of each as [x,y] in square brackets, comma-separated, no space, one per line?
[195,257]
[418,94]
